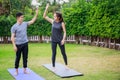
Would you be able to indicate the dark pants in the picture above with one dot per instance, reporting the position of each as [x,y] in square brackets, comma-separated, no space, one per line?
[62,48]
[23,48]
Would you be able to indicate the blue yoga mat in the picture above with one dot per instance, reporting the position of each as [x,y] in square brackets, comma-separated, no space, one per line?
[21,76]
[62,71]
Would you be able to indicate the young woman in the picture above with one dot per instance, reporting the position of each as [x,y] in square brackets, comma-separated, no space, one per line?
[58,35]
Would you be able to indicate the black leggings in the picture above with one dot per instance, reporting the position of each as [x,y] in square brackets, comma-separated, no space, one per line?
[62,48]
[23,48]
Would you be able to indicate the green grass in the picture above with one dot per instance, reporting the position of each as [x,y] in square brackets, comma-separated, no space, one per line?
[96,63]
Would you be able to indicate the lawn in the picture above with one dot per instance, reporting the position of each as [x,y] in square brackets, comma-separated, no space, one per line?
[95,63]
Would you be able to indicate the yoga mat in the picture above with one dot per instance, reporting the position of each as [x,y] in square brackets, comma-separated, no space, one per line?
[21,76]
[61,71]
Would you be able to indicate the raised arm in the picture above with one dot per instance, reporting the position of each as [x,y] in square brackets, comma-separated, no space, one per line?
[46,17]
[64,35]
[34,18]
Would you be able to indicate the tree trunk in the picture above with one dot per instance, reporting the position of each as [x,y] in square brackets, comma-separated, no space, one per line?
[40,39]
[114,46]
[54,3]
[106,42]
[97,43]
[109,43]
[89,40]
[81,40]
[5,39]
[92,40]
[77,39]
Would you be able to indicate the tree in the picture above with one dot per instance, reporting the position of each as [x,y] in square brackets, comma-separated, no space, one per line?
[104,17]
[76,19]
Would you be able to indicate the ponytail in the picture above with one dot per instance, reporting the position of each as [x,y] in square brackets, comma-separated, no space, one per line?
[59,15]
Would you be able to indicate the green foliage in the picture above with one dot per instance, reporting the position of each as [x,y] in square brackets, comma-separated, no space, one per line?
[76,18]
[40,27]
[5,25]
[19,5]
[104,18]
[95,18]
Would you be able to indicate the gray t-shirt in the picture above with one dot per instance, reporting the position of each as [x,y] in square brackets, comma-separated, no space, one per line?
[57,32]
[20,31]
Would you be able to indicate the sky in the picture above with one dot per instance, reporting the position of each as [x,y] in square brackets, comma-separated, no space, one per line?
[61,1]
[66,0]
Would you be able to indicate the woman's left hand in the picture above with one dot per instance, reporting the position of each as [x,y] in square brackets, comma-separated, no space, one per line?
[62,42]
